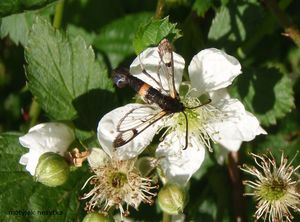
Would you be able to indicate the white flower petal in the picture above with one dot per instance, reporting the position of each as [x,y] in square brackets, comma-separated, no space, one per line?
[107,133]
[237,125]
[149,60]
[232,145]
[177,164]
[49,137]
[212,69]
[30,160]
[97,157]
[45,137]
[219,96]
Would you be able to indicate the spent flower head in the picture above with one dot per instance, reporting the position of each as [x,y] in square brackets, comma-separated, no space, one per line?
[116,183]
[274,187]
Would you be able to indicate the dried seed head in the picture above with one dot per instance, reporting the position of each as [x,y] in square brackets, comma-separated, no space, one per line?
[274,187]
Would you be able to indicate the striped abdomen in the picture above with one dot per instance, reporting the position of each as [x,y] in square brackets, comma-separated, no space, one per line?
[122,78]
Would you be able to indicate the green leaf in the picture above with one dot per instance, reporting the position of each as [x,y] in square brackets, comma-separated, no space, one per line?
[74,31]
[202,6]
[17,26]
[11,151]
[234,23]
[284,137]
[115,39]
[209,202]
[266,92]
[221,24]
[153,32]
[24,200]
[8,7]
[65,78]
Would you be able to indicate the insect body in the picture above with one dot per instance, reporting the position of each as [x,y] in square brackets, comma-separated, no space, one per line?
[122,78]
[161,101]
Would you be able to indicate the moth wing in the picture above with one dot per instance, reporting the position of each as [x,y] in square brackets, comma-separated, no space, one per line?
[153,67]
[136,121]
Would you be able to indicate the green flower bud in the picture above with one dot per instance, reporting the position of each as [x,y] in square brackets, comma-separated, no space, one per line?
[95,217]
[172,199]
[52,170]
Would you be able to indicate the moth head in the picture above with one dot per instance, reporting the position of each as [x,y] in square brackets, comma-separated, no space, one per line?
[120,77]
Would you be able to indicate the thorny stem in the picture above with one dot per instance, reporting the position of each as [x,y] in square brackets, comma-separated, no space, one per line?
[235,179]
[160,7]
[35,109]
[166,217]
[290,29]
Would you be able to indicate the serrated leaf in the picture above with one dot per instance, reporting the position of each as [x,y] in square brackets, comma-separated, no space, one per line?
[17,26]
[201,6]
[234,23]
[115,39]
[65,78]
[266,92]
[8,7]
[153,32]
[23,200]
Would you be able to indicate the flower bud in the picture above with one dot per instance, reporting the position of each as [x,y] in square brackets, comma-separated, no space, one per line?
[52,170]
[172,199]
[95,217]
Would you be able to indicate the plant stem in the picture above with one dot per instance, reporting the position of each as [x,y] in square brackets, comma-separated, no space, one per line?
[166,217]
[160,7]
[34,112]
[58,14]
[290,29]
[238,198]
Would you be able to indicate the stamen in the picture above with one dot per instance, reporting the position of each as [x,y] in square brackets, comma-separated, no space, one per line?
[116,183]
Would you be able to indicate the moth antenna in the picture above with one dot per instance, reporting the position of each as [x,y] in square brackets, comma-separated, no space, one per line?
[186,131]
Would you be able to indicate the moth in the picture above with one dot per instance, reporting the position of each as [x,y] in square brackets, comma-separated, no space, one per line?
[160,101]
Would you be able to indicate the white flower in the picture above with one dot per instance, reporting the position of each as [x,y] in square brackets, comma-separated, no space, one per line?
[116,183]
[42,138]
[224,120]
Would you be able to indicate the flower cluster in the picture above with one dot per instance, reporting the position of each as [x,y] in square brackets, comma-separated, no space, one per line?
[224,120]
[209,115]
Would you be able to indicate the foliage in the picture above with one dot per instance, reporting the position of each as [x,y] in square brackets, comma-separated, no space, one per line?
[67,72]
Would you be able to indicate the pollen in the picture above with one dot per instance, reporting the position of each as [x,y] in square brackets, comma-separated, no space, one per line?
[199,116]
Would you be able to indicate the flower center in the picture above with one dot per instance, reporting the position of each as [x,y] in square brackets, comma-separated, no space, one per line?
[118,179]
[118,183]
[273,190]
[199,116]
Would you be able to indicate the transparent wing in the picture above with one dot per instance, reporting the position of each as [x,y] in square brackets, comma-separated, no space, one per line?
[160,67]
[136,121]
[167,66]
